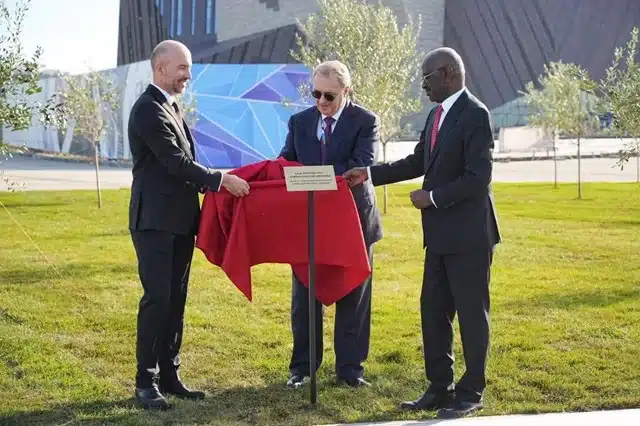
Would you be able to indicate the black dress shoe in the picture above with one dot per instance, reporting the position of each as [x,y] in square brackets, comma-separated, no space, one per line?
[296,381]
[429,401]
[151,398]
[460,409]
[177,388]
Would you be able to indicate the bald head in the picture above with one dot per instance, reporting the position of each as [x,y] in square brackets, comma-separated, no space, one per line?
[442,73]
[171,65]
[444,57]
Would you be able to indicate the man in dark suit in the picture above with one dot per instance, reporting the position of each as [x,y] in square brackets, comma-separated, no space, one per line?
[337,132]
[163,219]
[460,230]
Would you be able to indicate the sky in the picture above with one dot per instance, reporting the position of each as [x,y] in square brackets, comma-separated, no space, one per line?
[75,35]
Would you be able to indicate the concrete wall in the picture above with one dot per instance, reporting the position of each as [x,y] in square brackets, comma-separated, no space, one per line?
[238,18]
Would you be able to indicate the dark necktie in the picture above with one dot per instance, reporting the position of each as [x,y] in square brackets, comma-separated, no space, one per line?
[328,122]
[176,109]
[180,118]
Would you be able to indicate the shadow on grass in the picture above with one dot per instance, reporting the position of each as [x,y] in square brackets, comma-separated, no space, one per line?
[247,405]
[92,413]
[273,404]
[124,232]
[42,271]
[594,299]
[33,204]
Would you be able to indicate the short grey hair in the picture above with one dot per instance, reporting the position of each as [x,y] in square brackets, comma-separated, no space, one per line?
[334,69]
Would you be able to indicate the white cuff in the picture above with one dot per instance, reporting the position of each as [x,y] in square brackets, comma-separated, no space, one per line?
[431,196]
[220,185]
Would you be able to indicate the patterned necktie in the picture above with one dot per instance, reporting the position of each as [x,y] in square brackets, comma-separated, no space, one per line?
[436,125]
[328,122]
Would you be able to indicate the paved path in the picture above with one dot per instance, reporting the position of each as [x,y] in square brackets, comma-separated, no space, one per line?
[55,175]
[40,174]
[599,418]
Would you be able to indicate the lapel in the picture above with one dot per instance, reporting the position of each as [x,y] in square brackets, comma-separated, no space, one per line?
[311,124]
[341,125]
[190,138]
[427,137]
[182,137]
[449,121]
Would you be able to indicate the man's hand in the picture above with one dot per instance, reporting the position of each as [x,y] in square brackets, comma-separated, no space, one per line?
[420,199]
[356,176]
[236,186]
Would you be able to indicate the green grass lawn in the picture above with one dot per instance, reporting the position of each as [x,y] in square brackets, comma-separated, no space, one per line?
[565,316]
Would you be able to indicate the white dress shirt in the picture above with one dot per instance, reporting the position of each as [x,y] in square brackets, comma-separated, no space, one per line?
[446,106]
[170,98]
[335,116]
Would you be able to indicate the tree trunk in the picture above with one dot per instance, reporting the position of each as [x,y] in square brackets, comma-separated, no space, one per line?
[555,161]
[384,188]
[579,172]
[96,155]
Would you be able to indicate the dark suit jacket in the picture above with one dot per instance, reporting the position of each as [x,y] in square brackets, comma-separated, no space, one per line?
[166,179]
[352,144]
[458,171]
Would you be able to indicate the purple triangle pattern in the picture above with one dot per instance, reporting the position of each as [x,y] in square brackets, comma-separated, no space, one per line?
[263,93]
[296,79]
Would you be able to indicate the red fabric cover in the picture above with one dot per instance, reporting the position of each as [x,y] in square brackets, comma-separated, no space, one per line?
[270,226]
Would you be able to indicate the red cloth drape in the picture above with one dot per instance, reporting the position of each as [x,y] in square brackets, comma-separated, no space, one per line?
[270,226]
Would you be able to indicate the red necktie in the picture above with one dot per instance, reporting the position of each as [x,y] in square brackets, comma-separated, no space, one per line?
[436,125]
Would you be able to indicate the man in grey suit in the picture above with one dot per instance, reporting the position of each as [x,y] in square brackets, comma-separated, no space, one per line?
[164,214]
[338,132]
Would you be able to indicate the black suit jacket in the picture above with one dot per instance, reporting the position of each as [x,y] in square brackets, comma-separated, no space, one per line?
[458,171]
[166,179]
[353,144]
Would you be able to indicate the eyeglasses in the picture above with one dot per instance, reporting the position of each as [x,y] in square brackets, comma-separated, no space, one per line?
[328,96]
[426,76]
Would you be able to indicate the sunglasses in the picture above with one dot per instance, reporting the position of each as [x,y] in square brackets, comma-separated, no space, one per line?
[328,96]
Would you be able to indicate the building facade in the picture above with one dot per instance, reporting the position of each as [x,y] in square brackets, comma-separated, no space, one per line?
[213,28]
[504,44]
[144,23]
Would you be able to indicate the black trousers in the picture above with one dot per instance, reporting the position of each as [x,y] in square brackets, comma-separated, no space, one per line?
[351,334]
[456,283]
[164,263]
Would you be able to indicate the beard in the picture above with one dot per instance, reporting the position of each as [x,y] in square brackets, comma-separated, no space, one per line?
[180,85]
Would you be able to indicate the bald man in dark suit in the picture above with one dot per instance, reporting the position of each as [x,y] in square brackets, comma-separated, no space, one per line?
[460,230]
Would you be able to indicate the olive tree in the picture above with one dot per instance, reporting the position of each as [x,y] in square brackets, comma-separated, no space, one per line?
[621,96]
[564,104]
[91,100]
[381,57]
[19,81]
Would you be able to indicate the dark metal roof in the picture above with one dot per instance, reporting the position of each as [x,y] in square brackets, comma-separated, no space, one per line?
[267,47]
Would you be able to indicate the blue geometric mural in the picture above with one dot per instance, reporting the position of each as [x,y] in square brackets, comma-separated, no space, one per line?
[241,109]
